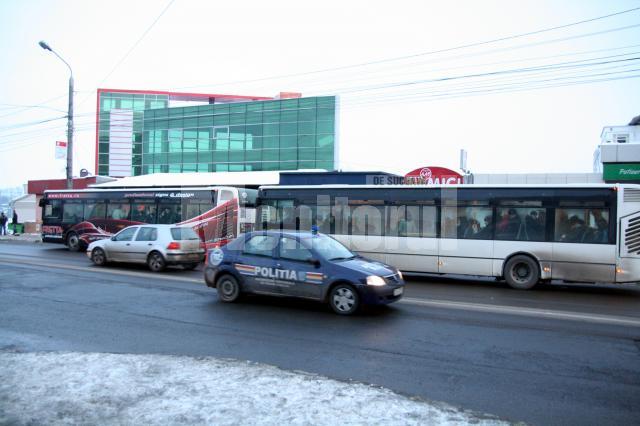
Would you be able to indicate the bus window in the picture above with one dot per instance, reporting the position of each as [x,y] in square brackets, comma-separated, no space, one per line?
[286,214]
[367,220]
[72,211]
[581,225]
[267,216]
[429,221]
[52,209]
[144,212]
[118,210]
[449,222]
[95,210]
[520,224]
[169,213]
[304,215]
[474,222]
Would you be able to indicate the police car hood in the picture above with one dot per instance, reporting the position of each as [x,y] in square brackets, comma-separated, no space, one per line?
[368,267]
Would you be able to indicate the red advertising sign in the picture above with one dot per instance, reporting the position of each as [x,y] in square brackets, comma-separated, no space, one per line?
[433,176]
[61,150]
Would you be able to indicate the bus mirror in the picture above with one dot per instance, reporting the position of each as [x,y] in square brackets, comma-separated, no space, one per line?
[41,202]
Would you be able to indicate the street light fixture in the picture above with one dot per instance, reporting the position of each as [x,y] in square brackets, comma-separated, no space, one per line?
[45,46]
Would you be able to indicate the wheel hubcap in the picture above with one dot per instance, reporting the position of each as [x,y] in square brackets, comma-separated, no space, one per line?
[344,299]
[98,257]
[228,288]
[521,272]
[73,241]
[155,262]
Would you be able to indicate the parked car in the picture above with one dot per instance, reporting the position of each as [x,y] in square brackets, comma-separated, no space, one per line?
[301,264]
[155,245]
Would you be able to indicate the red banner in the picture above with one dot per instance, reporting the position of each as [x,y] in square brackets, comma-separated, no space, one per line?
[433,176]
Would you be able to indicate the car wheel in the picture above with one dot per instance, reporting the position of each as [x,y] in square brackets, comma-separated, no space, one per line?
[228,288]
[98,257]
[521,272]
[344,299]
[156,262]
[73,241]
[190,266]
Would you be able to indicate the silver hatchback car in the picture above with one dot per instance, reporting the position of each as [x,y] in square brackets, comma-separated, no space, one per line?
[155,245]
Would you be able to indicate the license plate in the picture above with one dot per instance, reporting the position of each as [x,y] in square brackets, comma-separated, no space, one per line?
[397,291]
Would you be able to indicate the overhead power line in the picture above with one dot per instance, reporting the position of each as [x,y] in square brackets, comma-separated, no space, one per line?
[432,52]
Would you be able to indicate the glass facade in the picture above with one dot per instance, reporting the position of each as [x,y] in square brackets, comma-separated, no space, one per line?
[108,123]
[285,134]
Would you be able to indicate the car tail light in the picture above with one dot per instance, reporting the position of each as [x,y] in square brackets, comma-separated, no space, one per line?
[173,245]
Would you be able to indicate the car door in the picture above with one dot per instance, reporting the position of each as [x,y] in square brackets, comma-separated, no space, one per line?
[142,244]
[119,246]
[298,272]
[256,264]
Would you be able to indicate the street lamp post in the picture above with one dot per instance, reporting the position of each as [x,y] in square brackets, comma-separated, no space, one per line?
[45,46]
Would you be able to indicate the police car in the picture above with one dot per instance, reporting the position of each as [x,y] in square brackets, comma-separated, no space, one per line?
[301,264]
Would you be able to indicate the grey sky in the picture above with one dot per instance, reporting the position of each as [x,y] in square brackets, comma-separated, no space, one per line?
[233,47]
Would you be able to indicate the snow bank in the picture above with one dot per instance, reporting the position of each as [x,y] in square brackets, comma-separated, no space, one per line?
[91,388]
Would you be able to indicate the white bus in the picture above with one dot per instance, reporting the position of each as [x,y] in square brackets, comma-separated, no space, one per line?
[523,234]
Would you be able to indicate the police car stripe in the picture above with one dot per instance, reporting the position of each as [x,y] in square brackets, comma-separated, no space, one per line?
[245,269]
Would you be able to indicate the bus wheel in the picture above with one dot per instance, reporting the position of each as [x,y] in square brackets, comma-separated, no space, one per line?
[521,272]
[73,242]
[156,262]
[228,288]
[98,257]
[344,299]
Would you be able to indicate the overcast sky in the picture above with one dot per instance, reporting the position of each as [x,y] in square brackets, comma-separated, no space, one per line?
[396,114]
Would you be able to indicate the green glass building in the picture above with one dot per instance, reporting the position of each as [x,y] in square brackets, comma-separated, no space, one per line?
[143,132]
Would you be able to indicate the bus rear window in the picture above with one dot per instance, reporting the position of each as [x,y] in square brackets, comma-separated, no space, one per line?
[184,234]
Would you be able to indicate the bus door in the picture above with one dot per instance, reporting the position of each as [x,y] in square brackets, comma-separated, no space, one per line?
[581,245]
[463,247]
[410,240]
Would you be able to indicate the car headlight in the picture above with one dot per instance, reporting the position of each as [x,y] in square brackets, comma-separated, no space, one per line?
[375,280]
[400,275]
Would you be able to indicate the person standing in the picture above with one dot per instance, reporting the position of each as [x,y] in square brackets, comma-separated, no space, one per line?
[14,220]
[3,224]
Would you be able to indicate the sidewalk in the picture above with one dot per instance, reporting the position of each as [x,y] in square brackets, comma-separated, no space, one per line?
[21,238]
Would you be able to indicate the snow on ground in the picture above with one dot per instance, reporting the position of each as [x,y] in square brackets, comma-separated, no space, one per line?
[96,388]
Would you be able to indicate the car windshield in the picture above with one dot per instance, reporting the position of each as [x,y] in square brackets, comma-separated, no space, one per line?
[184,234]
[329,248]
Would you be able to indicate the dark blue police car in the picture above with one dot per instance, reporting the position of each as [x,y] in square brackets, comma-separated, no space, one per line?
[301,264]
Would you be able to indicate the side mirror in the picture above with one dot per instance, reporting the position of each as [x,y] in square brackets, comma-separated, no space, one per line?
[314,262]
[113,238]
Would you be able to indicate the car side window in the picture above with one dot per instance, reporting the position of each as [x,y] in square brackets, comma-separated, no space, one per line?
[260,245]
[292,249]
[147,234]
[127,234]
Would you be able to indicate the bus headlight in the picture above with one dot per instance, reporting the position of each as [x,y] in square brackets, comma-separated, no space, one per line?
[375,280]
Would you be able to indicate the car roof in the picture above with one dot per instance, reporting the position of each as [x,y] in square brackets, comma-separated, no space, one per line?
[280,233]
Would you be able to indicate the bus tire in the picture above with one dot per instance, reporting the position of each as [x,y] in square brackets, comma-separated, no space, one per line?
[521,272]
[98,257]
[156,262]
[73,241]
[344,299]
[228,288]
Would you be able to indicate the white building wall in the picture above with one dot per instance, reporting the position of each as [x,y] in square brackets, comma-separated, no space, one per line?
[536,178]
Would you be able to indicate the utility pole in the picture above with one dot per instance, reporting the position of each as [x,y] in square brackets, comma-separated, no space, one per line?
[45,46]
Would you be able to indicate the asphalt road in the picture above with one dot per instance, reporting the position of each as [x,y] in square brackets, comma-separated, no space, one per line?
[557,355]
